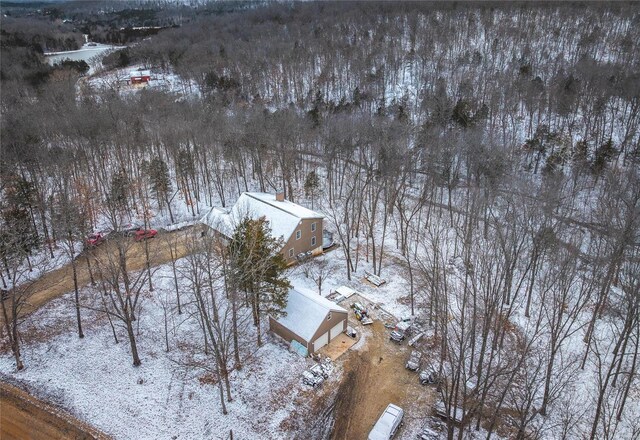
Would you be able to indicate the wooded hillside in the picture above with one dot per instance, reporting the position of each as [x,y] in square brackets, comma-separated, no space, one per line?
[492,150]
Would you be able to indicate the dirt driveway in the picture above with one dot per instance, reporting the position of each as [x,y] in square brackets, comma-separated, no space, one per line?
[374,377]
[60,281]
[24,417]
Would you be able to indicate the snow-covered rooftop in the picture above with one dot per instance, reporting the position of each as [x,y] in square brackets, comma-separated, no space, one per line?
[284,205]
[306,311]
[283,216]
[137,73]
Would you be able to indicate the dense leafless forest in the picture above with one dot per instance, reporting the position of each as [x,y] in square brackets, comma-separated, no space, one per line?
[490,150]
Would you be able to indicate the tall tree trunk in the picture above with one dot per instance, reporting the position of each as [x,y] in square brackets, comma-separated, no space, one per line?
[602,391]
[221,390]
[93,281]
[547,383]
[234,323]
[11,325]
[175,284]
[77,294]
[168,202]
[166,328]
[632,371]
[258,325]
[132,342]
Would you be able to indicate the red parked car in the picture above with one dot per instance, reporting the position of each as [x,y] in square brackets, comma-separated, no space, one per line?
[143,234]
[95,239]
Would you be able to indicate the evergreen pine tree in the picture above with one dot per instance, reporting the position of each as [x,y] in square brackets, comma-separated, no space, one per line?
[311,186]
[119,190]
[160,182]
[258,268]
[603,156]
[461,114]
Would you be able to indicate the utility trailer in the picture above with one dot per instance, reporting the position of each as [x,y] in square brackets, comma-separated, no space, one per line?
[374,279]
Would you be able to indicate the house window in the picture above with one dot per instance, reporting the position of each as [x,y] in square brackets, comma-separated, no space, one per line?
[291,253]
[298,235]
[313,227]
[329,317]
[313,240]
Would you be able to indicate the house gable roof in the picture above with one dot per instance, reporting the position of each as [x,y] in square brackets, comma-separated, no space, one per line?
[306,311]
[139,73]
[283,216]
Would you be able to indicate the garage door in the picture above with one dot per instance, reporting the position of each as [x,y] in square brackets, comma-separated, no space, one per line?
[321,342]
[337,329]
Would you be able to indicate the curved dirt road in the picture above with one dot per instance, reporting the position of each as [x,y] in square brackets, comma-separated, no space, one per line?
[24,417]
[21,415]
[60,281]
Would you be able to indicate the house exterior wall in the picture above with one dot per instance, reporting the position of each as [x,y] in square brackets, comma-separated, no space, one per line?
[285,333]
[140,79]
[303,244]
[327,324]
[298,245]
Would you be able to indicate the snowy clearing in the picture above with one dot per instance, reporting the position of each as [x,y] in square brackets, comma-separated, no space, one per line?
[94,378]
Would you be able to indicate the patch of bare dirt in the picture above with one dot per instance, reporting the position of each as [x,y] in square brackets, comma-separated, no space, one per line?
[373,378]
[24,417]
[21,415]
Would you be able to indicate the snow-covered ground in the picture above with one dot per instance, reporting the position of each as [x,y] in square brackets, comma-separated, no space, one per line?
[91,53]
[161,80]
[162,399]
[86,53]
[391,296]
[159,218]
[94,378]
[41,263]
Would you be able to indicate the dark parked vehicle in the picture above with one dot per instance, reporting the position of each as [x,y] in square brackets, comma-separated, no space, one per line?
[401,330]
[454,414]
[427,433]
[327,239]
[318,371]
[357,307]
[429,376]
[311,379]
[130,229]
[414,361]
[396,336]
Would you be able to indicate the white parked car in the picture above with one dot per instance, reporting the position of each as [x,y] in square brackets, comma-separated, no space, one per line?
[388,423]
